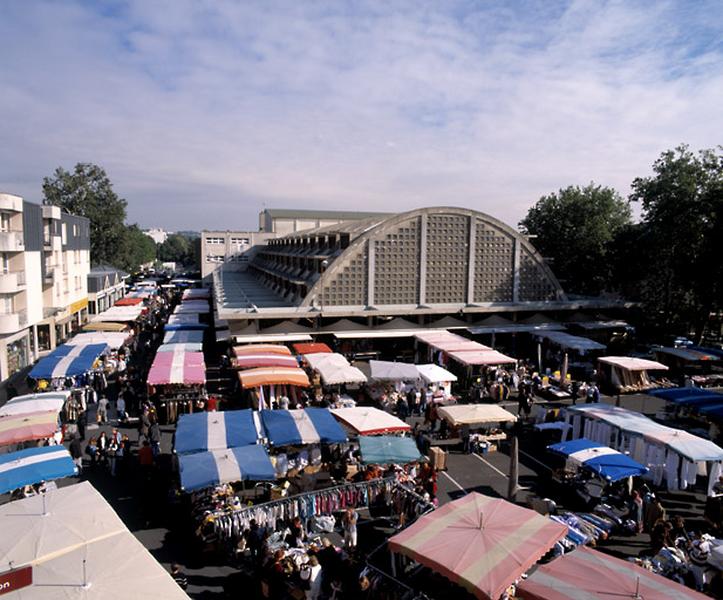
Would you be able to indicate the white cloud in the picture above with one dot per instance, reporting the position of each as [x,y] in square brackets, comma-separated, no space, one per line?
[201,113]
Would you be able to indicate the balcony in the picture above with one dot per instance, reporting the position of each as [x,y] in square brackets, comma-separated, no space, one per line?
[12,282]
[11,203]
[12,322]
[11,241]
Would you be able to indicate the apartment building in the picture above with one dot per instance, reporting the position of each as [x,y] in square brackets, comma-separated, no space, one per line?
[106,285]
[44,260]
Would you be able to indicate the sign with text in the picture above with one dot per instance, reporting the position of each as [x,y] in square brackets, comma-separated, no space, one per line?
[15,580]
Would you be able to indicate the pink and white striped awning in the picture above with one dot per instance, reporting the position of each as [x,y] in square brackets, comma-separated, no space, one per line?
[264,359]
[185,368]
[27,427]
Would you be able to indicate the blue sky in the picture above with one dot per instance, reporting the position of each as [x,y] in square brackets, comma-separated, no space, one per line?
[203,113]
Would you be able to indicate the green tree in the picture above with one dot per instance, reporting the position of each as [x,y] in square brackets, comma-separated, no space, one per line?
[177,248]
[682,233]
[88,192]
[139,249]
[576,228]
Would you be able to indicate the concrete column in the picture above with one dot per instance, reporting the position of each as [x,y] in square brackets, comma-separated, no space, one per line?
[35,342]
[422,259]
[471,259]
[516,271]
[371,267]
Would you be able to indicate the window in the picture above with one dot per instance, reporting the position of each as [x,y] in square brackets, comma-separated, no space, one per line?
[214,258]
[242,241]
[64,233]
[4,222]
[215,240]
[76,230]
[4,263]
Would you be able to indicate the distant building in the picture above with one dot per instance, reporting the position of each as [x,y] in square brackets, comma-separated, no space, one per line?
[106,285]
[234,249]
[44,264]
[283,221]
[157,235]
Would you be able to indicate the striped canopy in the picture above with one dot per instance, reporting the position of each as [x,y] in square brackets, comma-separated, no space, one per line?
[204,431]
[273,376]
[484,544]
[249,361]
[304,426]
[177,367]
[27,427]
[261,348]
[586,574]
[27,467]
[32,403]
[606,462]
[206,469]
[68,361]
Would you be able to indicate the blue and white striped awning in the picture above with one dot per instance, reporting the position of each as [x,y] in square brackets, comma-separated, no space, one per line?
[68,361]
[200,432]
[27,467]
[206,469]
[606,462]
[305,426]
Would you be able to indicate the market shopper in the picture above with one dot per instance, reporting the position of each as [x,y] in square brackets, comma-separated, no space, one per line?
[102,414]
[154,435]
[76,452]
[310,576]
[348,523]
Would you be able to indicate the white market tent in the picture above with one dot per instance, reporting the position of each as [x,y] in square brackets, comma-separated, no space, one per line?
[78,548]
[482,357]
[661,448]
[435,374]
[632,364]
[114,339]
[366,420]
[119,314]
[476,414]
[334,369]
[184,319]
[382,370]
[30,403]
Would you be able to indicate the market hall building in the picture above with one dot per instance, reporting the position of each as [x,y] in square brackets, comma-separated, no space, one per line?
[393,274]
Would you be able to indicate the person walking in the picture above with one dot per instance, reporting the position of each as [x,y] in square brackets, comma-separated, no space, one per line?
[348,523]
[155,436]
[82,421]
[102,416]
[76,453]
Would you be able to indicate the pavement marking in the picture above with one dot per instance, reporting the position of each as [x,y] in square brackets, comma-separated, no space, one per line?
[491,466]
[533,459]
[448,476]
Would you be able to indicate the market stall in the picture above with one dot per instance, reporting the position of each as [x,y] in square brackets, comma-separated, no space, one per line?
[264,359]
[32,403]
[475,414]
[34,465]
[129,301]
[625,374]
[311,348]
[199,307]
[185,319]
[261,348]
[388,450]
[386,371]
[299,427]
[270,382]
[183,337]
[483,544]
[177,368]
[688,396]
[113,339]
[78,548]
[609,464]
[334,369]
[106,327]
[120,314]
[365,420]
[205,431]
[589,574]
[196,294]
[181,347]
[67,361]
[185,326]
[206,469]
[27,427]
[673,455]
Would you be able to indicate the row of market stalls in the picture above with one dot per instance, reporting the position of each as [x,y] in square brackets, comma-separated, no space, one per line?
[69,543]
[177,377]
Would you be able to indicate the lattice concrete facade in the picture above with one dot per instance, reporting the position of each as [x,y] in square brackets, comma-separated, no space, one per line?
[425,257]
